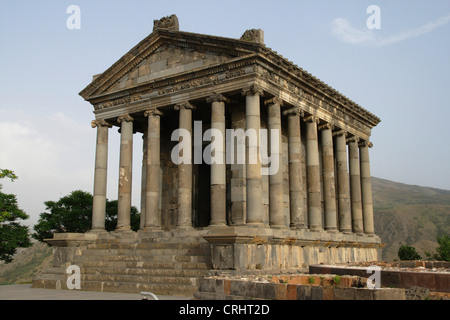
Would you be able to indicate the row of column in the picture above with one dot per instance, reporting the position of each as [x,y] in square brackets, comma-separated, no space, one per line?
[347,195]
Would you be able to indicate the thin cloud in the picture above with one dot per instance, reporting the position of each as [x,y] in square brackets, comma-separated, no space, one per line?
[344,31]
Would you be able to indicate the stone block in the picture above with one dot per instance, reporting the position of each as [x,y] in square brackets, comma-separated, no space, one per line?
[226,286]
[269,291]
[390,279]
[301,280]
[328,293]
[442,282]
[417,293]
[250,289]
[280,291]
[236,288]
[317,293]
[389,294]
[206,285]
[345,282]
[218,285]
[291,293]
[344,293]
[363,294]
[304,292]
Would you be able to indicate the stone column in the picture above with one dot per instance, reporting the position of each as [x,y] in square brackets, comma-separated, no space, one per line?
[313,174]
[143,179]
[153,167]
[329,189]
[218,170]
[100,175]
[238,174]
[343,188]
[276,192]
[185,171]
[366,188]
[253,163]
[355,185]
[296,199]
[125,172]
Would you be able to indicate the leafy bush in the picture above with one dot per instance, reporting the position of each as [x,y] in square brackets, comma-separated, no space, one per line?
[408,253]
[442,251]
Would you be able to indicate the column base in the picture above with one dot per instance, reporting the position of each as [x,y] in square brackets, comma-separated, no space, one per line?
[255,224]
[279,226]
[97,231]
[217,224]
[298,227]
[151,229]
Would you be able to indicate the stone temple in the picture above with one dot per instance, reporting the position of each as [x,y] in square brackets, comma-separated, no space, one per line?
[228,214]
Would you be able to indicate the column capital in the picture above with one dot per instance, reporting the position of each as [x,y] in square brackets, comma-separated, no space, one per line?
[311,118]
[365,143]
[274,100]
[294,111]
[125,117]
[325,126]
[353,139]
[100,123]
[253,89]
[184,105]
[217,97]
[340,133]
[153,112]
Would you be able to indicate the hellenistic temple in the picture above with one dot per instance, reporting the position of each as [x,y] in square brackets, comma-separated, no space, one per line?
[229,214]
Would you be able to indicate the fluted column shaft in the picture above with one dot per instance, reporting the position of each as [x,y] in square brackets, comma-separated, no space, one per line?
[100,175]
[276,192]
[313,174]
[125,172]
[296,197]
[218,167]
[355,185]
[253,170]
[143,179]
[366,188]
[185,170]
[153,173]
[329,189]
[343,188]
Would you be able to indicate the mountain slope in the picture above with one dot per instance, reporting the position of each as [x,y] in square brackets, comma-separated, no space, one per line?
[409,214]
[27,264]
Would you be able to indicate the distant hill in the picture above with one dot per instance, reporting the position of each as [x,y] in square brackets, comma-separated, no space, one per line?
[403,214]
[27,264]
[409,214]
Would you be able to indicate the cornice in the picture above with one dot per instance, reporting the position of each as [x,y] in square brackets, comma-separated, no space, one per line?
[295,78]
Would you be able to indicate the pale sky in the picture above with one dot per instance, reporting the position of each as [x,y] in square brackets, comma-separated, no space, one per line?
[400,72]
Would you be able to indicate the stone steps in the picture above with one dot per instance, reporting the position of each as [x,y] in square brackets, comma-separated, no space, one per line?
[144,253]
[129,287]
[137,263]
[141,279]
[161,268]
[142,271]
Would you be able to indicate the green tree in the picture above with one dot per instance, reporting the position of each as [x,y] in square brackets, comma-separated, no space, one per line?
[73,213]
[13,235]
[442,251]
[408,253]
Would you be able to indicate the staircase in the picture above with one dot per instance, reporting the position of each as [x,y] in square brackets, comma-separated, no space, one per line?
[117,266]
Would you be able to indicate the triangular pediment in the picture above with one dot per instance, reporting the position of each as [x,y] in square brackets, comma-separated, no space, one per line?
[168,60]
[164,54]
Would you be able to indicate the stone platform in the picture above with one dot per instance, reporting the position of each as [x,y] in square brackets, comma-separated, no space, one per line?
[173,262]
